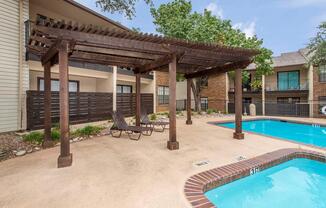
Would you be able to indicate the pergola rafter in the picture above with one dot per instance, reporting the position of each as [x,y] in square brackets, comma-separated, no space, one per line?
[58,42]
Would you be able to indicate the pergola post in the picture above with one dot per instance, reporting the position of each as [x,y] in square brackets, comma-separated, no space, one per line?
[47,106]
[65,158]
[138,99]
[189,121]
[172,144]
[238,105]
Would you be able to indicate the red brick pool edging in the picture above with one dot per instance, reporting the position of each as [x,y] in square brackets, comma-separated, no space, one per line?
[197,185]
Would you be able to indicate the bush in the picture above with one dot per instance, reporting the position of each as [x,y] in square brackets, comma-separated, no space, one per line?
[210,111]
[153,117]
[55,135]
[35,137]
[87,131]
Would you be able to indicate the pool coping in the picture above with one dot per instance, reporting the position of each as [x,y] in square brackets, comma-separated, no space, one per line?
[196,186]
[273,137]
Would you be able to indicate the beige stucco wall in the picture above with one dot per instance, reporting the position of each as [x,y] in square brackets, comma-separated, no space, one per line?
[89,80]
[271,80]
[86,84]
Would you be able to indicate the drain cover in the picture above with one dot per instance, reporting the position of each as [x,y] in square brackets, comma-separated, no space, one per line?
[201,163]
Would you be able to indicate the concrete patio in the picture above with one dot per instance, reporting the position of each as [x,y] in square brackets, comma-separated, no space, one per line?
[110,172]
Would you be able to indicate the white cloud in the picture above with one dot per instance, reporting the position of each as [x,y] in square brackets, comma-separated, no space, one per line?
[215,9]
[301,3]
[248,28]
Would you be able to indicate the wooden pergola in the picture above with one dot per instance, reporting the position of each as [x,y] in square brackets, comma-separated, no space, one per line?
[56,42]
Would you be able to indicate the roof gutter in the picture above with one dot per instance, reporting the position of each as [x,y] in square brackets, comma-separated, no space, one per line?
[86,9]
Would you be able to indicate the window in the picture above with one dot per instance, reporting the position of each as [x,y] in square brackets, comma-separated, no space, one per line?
[55,85]
[288,80]
[124,89]
[204,81]
[204,103]
[288,100]
[322,73]
[163,95]
[247,100]
[322,103]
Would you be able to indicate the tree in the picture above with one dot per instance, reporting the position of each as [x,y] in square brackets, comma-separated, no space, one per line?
[126,7]
[317,47]
[176,19]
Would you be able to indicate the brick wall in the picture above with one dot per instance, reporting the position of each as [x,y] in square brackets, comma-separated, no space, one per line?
[319,90]
[216,92]
[162,79]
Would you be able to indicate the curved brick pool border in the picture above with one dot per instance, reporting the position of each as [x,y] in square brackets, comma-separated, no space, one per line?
[198,184]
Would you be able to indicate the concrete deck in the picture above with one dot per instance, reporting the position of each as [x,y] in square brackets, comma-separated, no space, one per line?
[111,172]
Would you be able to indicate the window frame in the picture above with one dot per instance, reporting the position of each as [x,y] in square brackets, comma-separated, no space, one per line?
[205,103]
[299,78]
[42,78]
[322,76]
[124,85]
[164,100]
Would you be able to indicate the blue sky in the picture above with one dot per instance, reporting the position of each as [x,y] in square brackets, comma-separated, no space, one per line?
[284,25]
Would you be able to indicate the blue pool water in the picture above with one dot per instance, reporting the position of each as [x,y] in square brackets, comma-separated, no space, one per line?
[303,133]
[299,183]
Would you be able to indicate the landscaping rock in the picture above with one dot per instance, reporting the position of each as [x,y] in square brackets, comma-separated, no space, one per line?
[75,139]
[37,148]
[29,150]
[21,153]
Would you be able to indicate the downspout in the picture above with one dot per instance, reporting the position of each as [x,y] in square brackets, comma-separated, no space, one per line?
[20,78]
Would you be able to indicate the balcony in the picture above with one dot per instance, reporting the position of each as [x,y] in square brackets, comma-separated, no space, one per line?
[304,86]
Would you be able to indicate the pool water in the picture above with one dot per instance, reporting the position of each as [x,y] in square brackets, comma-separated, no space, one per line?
[299,183]
[304,133]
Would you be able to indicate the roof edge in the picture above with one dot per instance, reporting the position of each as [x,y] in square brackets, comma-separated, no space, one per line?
[86,9]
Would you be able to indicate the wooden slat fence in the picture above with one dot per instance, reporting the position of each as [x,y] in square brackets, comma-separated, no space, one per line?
[126,102]
[84,107]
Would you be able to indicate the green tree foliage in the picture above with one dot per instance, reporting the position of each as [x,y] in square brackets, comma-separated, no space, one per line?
[317,46]
[176,19]
[126,7]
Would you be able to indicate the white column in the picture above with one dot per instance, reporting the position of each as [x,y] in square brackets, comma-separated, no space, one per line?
[154,92]
[114,87]
[311,90]
[263,94]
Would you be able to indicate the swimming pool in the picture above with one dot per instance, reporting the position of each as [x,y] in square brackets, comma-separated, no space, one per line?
[295,183]
[303,133]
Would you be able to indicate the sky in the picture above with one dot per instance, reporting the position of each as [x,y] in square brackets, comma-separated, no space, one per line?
[284,25]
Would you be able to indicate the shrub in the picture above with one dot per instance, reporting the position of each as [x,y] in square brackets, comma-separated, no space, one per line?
[55,135]
[153,117]
[210,111]
[34,137]
[88,131]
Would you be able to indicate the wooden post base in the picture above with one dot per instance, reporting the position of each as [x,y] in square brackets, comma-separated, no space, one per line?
[47,144]
[238,135]
[189,122]
[173,145]
[64,161]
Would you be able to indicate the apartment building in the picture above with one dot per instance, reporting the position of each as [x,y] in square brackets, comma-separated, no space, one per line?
[294,89]
[21,73]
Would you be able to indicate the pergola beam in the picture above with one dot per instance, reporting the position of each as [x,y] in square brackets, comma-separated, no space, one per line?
[163,61]
[51,52]
[220,69]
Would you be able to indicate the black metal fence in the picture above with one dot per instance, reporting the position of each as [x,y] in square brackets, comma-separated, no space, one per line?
[276,109]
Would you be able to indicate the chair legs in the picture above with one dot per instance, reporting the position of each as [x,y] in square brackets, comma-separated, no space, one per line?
[116,136]
[131,133]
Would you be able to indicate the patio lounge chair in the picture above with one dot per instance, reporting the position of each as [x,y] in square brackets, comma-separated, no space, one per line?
[120,124]
[147,122]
